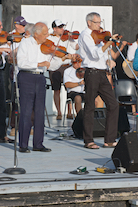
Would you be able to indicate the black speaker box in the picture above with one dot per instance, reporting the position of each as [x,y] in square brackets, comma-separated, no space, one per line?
[99,123]
[123,122]
[125,153]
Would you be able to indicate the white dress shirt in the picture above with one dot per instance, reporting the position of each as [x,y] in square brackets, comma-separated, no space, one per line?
[91,54]
[29,55]
[70,76]
[131,51]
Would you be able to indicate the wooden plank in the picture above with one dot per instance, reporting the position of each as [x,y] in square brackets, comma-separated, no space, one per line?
[103,197]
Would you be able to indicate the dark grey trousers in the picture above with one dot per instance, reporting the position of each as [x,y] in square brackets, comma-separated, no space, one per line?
[96,83]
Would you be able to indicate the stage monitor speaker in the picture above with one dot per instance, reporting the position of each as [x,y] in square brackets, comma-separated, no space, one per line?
[123,122]
[125,153]
[99,123]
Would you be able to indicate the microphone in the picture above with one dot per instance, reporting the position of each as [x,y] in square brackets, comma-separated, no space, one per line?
[108,38]
[10,38]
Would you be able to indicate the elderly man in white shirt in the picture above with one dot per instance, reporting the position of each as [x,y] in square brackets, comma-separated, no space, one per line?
[32,63]
[95,59]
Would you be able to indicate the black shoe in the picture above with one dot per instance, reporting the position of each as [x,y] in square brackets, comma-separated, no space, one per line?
[25,150]
[43,149]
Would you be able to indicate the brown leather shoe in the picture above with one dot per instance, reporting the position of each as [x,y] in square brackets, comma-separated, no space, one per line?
[69,116]
[59,117]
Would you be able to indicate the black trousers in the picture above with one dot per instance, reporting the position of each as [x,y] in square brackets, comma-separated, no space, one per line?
[96,83]
[2,107]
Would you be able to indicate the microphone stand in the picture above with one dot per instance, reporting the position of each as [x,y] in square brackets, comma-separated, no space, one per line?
[135,78]
[15,170]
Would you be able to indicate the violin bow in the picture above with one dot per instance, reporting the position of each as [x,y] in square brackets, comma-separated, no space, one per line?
[70,30]
[103,24]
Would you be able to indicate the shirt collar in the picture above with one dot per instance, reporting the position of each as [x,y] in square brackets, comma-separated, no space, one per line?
[88,30]
[33,40]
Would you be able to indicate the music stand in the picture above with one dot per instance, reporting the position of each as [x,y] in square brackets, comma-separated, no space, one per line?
[15,170]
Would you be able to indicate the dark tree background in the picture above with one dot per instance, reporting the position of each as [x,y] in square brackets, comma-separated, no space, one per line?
[125,18]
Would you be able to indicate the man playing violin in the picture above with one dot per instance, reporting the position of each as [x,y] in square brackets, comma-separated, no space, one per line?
[31,80]
[95,59]
[32,64]
[74,84]
[56,76]
[4,51]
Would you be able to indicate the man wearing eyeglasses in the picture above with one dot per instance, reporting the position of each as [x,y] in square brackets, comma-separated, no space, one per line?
[56,75]
[95,59]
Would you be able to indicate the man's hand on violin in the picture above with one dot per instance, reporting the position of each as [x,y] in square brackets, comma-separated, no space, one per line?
[108,43]
[76,58]
[45,63]
[124,43]
[114,37]
[68,56]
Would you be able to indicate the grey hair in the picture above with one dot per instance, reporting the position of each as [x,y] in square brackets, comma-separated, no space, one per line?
[37,28]
[29,27]
[91,15]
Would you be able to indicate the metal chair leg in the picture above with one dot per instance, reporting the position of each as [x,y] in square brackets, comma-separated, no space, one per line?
[67,101]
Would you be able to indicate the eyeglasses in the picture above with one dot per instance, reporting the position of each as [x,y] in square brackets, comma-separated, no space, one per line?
[96,22]
[61,26]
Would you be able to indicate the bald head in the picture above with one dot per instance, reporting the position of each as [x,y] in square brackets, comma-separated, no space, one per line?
[40,32]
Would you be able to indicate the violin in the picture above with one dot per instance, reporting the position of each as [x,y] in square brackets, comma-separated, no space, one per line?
[100,36]
[103,36]
[3,37]
[48,47]
[80,72]
[69,35]
[16,37]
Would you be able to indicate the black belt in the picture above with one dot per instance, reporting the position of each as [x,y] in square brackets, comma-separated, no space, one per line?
[95,69]
[33,72]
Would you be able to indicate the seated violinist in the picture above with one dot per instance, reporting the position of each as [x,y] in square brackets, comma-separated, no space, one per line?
[74,83]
